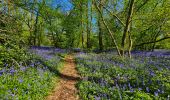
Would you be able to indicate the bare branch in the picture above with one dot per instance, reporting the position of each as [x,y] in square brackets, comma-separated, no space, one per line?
[153,41]
[113,14]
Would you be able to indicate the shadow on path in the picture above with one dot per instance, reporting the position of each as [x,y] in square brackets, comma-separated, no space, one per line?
[58,73]
[65,88]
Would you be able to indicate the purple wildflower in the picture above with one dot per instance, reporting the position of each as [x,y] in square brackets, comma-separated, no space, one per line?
[12,95]
[152,73]
[23,68]
[129,86]
[147,89]
[97,98]
[12,70]
[156,93]
[159,90]
[20,80]
[139,89]
[2,71]
[131,90]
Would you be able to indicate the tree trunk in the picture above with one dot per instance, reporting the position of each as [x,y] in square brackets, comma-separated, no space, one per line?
[91,27]
[110,32]
[100,25]
[130,45]
[87,24]
[82,28]
[127,26]
[35,28]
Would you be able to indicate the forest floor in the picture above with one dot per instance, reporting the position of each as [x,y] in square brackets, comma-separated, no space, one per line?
[65,89]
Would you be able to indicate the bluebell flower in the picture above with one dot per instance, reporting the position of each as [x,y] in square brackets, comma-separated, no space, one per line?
[124,86]
[152,73]
[12,95]
[12,70]
[23,68]
[139,89]
[32,65]
[162,92]
[143,82]
[147,89]
[129,86]
[150,81]
[105,95]
[15,89]
[38,63]
[97,98]
[20,80]
[6,65]
[29,85]
[159,90]
[156,93]
[131,90]
[2,71]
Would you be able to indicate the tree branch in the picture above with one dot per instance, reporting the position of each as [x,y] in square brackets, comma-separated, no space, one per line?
[1,30]
[113,14]
[142,5]
[154,41]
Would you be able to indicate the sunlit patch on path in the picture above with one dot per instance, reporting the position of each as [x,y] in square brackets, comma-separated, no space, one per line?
[65,88]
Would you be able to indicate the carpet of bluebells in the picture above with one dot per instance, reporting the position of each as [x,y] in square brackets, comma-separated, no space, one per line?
[108,77]
[25,75]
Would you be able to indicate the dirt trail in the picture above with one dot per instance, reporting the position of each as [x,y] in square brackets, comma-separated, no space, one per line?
[65,88]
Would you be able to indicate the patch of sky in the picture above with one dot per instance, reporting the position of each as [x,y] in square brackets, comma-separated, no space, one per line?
[65,5]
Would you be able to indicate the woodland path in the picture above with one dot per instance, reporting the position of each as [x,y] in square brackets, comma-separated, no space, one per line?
[65,89]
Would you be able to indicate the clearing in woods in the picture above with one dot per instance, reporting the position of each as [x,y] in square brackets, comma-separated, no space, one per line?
[65,88]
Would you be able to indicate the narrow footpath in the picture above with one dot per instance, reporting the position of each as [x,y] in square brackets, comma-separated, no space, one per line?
[65,89]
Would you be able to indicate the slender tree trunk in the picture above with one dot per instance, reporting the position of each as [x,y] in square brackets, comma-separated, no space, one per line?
[155,37]
[8,4]
[35,28]
[91,18]
[130,45]
[127,26]
[40,35]
[100,35]
[108,29]
[87,24]
[100,25]
[82,28]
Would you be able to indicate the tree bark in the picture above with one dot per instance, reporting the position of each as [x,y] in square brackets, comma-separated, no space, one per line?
[91,27]
[127,26]
[82,28]
[35,28]
[87,24]
[100,7]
